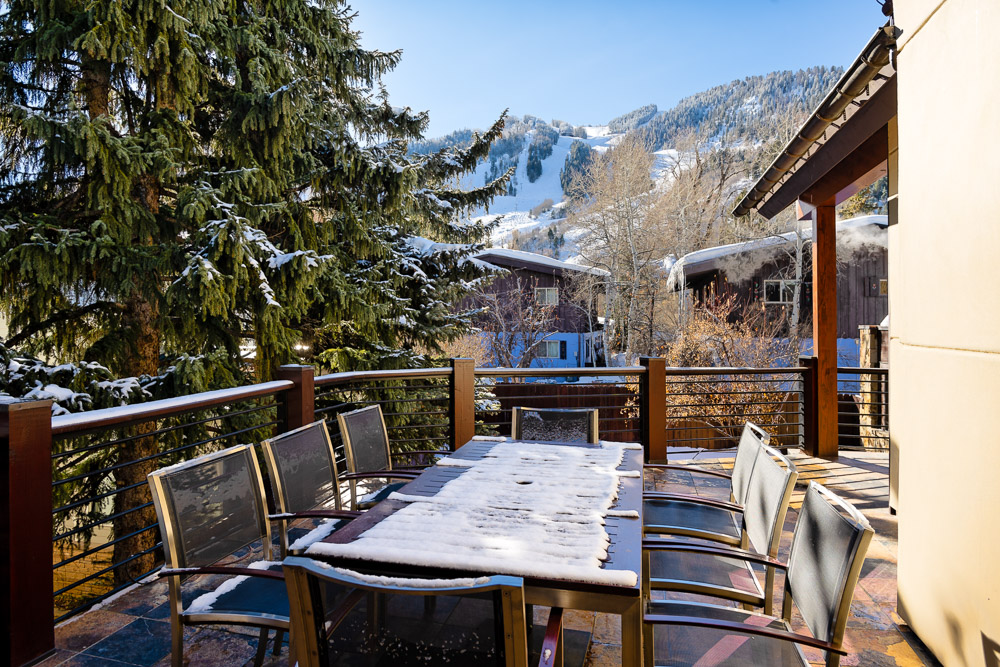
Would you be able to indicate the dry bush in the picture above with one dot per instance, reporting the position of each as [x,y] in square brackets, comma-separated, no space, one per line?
[724,335]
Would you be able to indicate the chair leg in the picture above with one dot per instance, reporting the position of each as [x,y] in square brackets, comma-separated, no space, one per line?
[176,643]
[279,637]
[258,660]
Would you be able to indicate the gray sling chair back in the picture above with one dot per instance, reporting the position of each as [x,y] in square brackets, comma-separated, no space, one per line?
[345,618]
[708,518]
[746,453]
[554,424]
[828,549]
[211,509]
[366,443]
[697,568]
[302,468]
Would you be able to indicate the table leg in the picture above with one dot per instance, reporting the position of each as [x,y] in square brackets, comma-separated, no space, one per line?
[632,635]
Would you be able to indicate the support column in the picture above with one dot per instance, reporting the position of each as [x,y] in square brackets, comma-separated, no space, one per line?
[298,406]
[462,408]
[653,408]
[26,549]
[824,258]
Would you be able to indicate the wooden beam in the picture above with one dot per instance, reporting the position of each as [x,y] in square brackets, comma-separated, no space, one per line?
[865,122]
[859,169]
[462,408]
[824,256]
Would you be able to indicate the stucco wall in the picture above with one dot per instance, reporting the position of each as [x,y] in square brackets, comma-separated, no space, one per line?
[944,304]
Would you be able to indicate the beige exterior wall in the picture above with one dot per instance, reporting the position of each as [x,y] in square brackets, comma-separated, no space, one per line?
[944,301]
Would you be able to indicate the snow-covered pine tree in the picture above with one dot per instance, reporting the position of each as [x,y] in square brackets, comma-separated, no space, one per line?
[180,178]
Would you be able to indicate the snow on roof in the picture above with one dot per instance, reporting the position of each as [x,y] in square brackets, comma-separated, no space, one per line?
[491,254]
[525,509]
[856,232]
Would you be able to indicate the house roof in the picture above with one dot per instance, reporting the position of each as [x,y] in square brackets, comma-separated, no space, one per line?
[519,259]
[866,229]
[839,149]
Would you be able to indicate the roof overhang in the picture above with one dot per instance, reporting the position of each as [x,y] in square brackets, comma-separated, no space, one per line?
[843,146]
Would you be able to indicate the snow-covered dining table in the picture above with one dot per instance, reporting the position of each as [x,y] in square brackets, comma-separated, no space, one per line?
[566,517]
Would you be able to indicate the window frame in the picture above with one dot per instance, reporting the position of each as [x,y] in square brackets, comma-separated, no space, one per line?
[783,283]
[546,346]
[550,292]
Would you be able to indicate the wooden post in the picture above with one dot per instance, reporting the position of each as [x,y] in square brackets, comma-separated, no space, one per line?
[824,258]
[26,430]
[462,409]
[653,408]
[809,405]
[298,405]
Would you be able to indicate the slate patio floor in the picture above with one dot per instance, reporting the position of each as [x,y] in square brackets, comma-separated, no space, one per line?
[134,628]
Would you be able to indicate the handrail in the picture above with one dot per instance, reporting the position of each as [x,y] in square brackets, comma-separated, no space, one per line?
[79,423]
[400,374]
[711,370]
[860,370]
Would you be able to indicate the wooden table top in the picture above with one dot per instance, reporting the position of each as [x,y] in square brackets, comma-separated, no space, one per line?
[624,552]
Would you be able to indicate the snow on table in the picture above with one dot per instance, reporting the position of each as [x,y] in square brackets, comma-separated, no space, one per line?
[523,509]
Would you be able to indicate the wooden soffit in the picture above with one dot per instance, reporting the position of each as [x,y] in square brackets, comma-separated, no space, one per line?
[853,156]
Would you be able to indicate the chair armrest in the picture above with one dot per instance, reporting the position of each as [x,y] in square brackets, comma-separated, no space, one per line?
[697,500]
[742,628]
[695,469]
[673,545]
[220,569]
[553,635]
[346,515]
[385,474]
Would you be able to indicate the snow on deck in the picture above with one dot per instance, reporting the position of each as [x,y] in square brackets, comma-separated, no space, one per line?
[524,509]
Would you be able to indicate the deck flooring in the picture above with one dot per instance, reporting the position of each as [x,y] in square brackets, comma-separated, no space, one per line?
[134,628]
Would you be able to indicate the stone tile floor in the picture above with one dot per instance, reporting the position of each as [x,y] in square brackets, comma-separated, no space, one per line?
[134,628]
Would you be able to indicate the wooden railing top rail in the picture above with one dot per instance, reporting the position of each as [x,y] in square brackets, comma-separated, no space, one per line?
[78,423]
[401,374]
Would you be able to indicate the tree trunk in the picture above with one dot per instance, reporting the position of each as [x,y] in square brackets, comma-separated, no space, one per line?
[140,321]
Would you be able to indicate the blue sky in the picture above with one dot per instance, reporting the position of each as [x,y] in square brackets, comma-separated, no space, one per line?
[586,61]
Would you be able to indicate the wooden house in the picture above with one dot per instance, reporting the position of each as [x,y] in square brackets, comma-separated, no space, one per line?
[575,338]
[761,273]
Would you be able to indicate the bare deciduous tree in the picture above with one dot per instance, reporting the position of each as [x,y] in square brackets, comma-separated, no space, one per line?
[514,324]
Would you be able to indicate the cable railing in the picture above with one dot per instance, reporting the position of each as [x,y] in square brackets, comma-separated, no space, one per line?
[104,526]
[863,408]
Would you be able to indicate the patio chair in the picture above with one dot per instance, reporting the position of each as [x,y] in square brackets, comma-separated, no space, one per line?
[302,468]
[366,441]
[554,424]
[828,549]
[751,439]
[680,566]
[211,508]
[341,617]
[710,519]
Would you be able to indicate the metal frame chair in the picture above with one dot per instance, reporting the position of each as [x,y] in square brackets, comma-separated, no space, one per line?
[366,442]
[588,417]
[828,550]
[314,587]
[210,508]
[751,439]
[679,566]
[302,468]
[703,518]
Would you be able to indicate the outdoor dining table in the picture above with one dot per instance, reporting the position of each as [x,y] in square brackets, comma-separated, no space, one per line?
[614,588]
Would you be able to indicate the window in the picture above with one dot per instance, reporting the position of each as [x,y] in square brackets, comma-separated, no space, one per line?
[550,349]
[779,291]
[547,296]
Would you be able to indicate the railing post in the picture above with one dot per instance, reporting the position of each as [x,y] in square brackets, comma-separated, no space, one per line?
[653,408]
[462,408]
[810,396]
[298,405]
[26,430]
